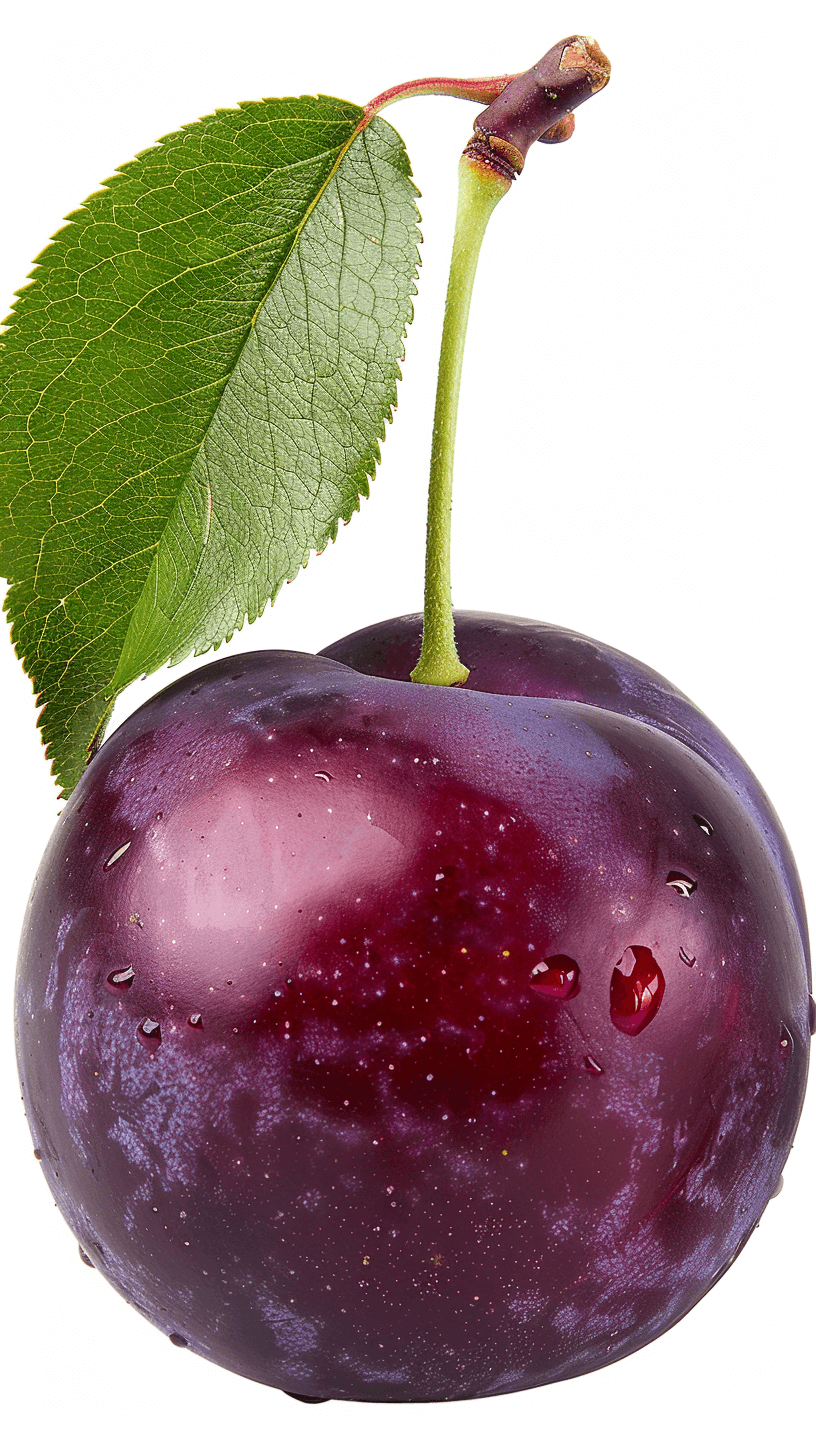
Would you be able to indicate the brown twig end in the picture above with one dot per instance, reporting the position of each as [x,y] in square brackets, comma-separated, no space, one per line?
[582,53]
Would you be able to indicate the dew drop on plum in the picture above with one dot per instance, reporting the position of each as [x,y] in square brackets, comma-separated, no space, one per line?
[593,1066]
[556,978]
[702,824]
[117,854]
[89,1263]
[778,1189]
[120,980]
[636,990]
[326,777]
[683,884]
[688,960]
[307,1399]
[150,1029]
[812,1015]
[785,1040]
[179,1341]
[194,1019]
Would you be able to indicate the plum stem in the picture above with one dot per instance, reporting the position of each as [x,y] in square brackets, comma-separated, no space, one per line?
[534,106]
[480,189]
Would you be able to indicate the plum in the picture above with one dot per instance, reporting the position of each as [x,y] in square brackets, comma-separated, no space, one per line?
[392,1042]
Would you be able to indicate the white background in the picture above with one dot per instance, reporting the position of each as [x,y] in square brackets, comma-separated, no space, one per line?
[636,464]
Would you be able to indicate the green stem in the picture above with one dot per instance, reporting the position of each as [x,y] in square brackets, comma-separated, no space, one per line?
[480,188]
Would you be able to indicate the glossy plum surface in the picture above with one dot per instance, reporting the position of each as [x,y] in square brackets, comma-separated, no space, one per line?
[524,658]
[389,1042]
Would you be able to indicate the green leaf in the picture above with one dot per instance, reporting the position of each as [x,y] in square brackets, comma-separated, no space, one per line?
[193,389]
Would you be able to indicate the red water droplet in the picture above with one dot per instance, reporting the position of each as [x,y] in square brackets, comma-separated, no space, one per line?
[682,883]
[812,1015]
[702,824]
[556,978]
[120,980]
[636,990]
[194,1019]
[150,1029]
[592,1066]
[117,854]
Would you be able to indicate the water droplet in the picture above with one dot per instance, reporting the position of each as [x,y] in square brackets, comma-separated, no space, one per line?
[193,691]
[121,979]
[785,1040]
[38,1154]
[688,960]
[89,1263]
[326,777]
[195,1019]
[702,824]
[150,1029]
[778,1189]
[307,1399]
[117,854]
[179,1341]
[812,1015]
[236,676]
[636,990]
[683,884]
[593,1066]
[556,978]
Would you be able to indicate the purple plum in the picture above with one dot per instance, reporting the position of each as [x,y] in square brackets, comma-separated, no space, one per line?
[389,1042]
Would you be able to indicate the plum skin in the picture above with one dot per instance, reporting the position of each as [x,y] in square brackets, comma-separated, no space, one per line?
[329,1132]
[529,659]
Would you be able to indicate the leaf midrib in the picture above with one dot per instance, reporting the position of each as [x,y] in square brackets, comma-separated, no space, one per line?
[218,385]
[358,130]
[188,217]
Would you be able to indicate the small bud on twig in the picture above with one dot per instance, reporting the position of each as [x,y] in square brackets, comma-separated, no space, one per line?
[538,105]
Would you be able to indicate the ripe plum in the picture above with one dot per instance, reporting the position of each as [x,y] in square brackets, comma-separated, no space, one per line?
[392,1042]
